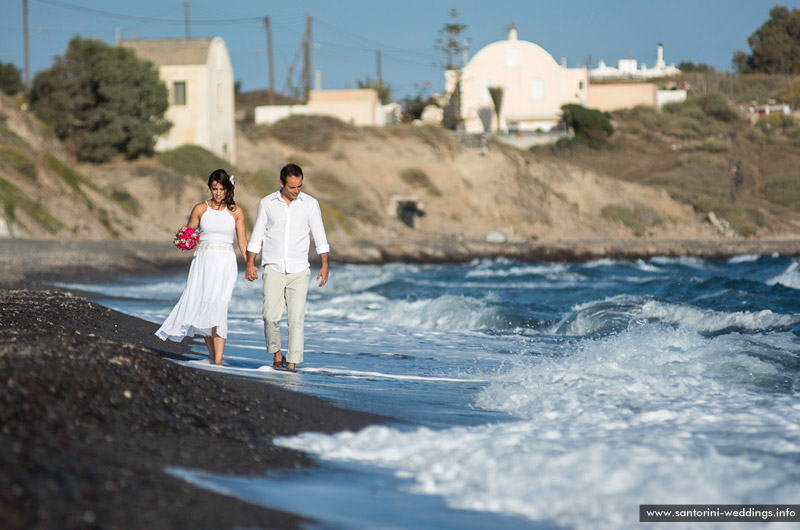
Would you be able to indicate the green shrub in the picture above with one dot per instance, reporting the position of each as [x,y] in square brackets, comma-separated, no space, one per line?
[71,177]
[590,125]
[684,127]
[309,133]
[264,181]
[783,190]
[19,160]
[417,178]
[744,219]
[340,197]
[14,198]
[753,135]
[774,121]
[194,161]
[127,201]
[713,145]
[625,216]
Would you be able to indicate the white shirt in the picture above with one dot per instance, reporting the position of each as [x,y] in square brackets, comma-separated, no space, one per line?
[281,232]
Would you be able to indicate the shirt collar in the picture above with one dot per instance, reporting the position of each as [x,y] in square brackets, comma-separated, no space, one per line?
[277,195]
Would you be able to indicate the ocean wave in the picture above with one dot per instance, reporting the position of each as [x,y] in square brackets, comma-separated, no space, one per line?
[788,278]
[685,261]
[490,270]
[619,312]
[744,258]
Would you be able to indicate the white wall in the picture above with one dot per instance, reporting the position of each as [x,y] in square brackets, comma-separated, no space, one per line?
[669,96]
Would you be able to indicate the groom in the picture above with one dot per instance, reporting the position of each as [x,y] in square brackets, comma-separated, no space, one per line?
[283,223]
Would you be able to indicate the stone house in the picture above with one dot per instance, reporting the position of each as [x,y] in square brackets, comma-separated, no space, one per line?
[199,76]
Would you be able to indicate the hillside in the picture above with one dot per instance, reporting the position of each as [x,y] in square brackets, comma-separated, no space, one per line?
[628,193]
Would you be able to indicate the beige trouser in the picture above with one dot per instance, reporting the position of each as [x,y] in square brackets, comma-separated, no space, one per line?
[285,290]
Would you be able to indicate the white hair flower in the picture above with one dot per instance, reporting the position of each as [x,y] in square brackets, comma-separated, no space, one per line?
[232,182]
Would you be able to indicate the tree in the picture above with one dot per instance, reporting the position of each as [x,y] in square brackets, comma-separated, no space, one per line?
[10,79]
[414,106]
[384,91]
[102,100]
[591,126]
[449,43]
[496,92]
[701,68]
[775,46]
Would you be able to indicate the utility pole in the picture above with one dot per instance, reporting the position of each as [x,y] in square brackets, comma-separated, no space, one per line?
[379,80]
[269,61]
[307,58]
[26,36]
[186,18]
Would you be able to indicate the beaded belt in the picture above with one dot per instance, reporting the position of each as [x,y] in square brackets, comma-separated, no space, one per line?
[214,245]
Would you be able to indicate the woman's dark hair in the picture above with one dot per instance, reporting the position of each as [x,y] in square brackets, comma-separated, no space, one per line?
[221,176]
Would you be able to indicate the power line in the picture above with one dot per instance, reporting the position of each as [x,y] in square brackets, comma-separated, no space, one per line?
[154,20]
[370,43]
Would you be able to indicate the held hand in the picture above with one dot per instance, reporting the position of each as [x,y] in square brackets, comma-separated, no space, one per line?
[251,274]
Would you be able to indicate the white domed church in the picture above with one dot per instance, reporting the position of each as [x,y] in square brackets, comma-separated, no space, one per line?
[534,87]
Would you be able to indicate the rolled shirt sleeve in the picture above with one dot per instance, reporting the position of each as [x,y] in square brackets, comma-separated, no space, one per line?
[318,230]
[259,230]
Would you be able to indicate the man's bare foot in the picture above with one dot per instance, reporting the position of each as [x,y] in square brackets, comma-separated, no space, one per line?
[290,367]
[277,362]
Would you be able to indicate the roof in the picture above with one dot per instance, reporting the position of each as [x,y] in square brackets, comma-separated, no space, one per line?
[163,52]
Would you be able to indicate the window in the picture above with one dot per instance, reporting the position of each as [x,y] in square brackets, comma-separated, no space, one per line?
[537,88]
[512,57]
[580,85]
[179,93]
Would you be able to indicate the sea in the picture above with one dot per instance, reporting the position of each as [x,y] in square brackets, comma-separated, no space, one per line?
[526,395]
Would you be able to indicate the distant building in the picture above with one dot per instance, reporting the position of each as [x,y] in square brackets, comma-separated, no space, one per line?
[356,106]
[628,69]
[199,76]
[534,87]
[614,96]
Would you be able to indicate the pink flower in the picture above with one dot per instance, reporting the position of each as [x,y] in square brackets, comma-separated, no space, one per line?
[186,238]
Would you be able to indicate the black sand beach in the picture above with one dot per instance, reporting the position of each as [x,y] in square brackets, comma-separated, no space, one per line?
[91,412]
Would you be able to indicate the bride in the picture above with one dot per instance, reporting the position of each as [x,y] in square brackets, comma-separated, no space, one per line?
[203,306]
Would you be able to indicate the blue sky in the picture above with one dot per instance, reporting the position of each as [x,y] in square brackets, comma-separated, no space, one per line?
[348,33]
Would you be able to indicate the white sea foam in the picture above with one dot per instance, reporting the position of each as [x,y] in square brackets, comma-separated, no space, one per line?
[605,415]
[788,278]
[621,311]
[744,258]
[360,374]
[554,270]
[696,263]
[446,312]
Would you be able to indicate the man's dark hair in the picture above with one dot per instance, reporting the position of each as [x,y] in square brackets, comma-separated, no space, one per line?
[290,170]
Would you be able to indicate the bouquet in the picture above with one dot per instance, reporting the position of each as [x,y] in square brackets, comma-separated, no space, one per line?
[186,238]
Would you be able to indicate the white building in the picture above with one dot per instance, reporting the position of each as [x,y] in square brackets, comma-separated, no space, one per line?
[628,69]
[199,76]
[359,106]
[534,87]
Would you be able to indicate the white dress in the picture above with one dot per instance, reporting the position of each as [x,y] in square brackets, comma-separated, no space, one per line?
[212,276]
